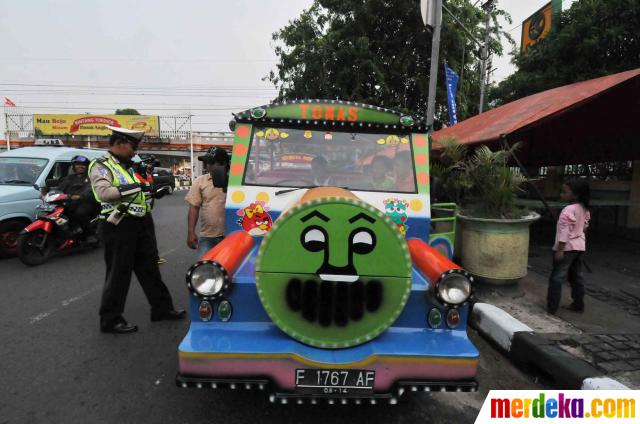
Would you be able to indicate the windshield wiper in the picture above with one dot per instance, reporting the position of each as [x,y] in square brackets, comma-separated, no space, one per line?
[16,182]
[289,190]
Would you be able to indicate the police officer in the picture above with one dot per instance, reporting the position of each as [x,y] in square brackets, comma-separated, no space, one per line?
[127,235]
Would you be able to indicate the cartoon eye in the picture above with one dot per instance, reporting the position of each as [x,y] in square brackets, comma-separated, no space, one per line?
[363,241]
[313,239]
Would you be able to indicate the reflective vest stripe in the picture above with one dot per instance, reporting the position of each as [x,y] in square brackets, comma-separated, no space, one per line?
[136,207]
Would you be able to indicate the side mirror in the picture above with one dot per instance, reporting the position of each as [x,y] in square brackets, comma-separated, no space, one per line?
[220,176]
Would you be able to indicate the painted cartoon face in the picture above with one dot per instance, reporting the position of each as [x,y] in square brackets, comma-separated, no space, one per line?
[333,272]
[396,210]
[255,219]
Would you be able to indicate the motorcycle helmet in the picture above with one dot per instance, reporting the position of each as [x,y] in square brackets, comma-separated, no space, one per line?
[79,159]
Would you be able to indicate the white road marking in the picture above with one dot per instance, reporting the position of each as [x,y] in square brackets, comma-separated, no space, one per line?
[167,252]
[64,303]
[159,380]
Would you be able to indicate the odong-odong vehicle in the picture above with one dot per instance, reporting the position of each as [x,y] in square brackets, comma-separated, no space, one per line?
[53,232]
[21,171]
[326,287]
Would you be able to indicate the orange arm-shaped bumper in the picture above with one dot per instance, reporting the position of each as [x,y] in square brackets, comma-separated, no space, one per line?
[429,261]
[231,251]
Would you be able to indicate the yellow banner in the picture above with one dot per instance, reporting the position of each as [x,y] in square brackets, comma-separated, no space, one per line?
[536,27]
[93,124]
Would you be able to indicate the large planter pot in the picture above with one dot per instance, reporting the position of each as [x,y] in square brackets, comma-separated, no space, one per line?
[496,250]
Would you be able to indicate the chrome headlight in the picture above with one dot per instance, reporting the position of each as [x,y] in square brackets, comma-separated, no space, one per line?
[207,279]
[455,287]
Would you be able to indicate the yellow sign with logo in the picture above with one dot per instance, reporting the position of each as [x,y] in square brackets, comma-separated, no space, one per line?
[536,27]
[93,124]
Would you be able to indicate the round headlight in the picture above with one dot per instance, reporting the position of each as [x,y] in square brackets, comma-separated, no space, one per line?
[207,279]
[454,288]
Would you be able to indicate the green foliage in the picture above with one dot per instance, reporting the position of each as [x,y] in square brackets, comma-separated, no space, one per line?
[482,183]
[128,111]
[378,52]
[593,38]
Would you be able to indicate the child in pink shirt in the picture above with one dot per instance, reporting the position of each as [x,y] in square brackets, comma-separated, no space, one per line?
[569,246]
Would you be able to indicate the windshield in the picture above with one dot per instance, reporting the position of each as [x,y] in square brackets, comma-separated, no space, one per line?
[22,171]
[306,158]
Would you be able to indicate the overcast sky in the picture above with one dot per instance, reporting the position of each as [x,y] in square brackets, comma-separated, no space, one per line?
[160,57]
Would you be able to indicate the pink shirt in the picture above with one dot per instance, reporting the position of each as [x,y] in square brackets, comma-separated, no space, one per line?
[574,219]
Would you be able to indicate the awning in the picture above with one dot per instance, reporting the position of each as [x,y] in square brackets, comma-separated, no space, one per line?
[590,121]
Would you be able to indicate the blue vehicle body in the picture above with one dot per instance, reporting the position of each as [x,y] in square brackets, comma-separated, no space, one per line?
[246,349]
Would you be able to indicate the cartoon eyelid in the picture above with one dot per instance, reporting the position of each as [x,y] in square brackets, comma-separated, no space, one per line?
[315,213]
[361,215]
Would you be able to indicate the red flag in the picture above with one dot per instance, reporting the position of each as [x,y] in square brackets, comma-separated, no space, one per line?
[8,102]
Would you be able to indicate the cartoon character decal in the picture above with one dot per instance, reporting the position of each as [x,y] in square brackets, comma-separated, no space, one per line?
[396,209]
[392,140]
[272,134]
[333,272]
[255,218]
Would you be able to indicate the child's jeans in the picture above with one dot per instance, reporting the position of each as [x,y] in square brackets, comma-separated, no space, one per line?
[570,267]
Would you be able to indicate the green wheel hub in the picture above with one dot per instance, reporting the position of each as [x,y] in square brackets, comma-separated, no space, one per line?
[333,272]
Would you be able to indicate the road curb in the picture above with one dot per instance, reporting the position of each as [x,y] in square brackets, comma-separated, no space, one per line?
[528,349]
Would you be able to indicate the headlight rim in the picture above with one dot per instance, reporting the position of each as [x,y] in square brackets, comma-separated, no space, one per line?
[459,271]
[226,285]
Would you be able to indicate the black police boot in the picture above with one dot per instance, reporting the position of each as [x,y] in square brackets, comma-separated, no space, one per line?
[171,314]
[119,327]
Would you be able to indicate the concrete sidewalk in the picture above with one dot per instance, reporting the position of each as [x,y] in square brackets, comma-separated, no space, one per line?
[607,334]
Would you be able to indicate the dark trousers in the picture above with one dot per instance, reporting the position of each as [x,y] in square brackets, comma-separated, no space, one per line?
[131,246]
[569,268]
[82,212]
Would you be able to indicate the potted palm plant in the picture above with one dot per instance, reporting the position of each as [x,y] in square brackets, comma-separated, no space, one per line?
[495,231]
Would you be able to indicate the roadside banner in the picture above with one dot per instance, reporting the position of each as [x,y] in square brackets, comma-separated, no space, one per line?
[452,85]
[45,125]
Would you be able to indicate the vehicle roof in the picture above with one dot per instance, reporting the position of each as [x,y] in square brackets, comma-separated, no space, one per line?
[55,153]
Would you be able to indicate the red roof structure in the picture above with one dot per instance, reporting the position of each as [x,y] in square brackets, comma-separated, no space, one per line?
[590,121]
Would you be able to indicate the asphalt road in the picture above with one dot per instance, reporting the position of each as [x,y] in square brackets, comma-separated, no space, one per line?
[56,367]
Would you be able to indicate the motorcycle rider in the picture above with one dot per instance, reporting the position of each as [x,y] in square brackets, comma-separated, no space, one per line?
[77,185]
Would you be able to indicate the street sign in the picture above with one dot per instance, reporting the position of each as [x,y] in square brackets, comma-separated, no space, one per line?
[536,27]
[428,12]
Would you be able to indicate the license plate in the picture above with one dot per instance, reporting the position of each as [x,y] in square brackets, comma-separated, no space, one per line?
[323,381]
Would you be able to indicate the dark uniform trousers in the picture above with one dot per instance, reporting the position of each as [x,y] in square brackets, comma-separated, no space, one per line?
[131,246]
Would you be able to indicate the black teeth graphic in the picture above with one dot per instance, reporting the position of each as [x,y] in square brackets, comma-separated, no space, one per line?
[356,301]
[294,294]
[326,299]
[329,302]
[342,304]
[310,300]
[374,295]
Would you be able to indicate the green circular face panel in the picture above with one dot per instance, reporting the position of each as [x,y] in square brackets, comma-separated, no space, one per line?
[333,272]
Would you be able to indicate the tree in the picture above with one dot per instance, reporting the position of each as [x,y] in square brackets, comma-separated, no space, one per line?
[591,39]
[378,52]
[127,111]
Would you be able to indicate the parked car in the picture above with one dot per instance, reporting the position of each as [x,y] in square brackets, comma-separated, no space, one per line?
[163,177]
[22,172]
[329,285]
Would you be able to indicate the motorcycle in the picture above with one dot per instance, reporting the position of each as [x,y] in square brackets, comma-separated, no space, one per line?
[53,232]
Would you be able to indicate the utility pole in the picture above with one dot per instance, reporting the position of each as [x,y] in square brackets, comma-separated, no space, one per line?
[432,16]
[7,134]
[191,147]
[484,52]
